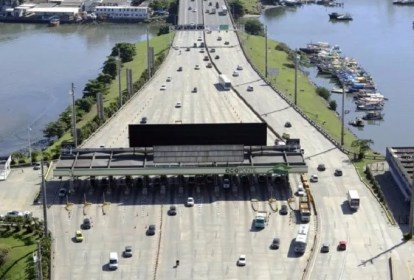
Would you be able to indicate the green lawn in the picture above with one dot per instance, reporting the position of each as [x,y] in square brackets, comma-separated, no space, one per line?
[18,259]
[252,7]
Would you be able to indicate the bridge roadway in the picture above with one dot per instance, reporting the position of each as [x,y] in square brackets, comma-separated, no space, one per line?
[209,237]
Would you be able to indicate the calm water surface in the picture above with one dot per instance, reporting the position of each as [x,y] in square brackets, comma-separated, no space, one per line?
[38,65]
[381,38]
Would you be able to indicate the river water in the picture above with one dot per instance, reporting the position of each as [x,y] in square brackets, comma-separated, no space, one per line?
[38,64]
[380,38]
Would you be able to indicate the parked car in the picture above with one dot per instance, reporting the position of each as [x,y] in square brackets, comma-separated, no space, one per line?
[78,236]
[239,67]
[151,230]
[338,172]
[190,202]
[168,79]
[275,243]
[163,87]
[14,214]
[321,167]
[172,211]
[197,67]
[235,74]
[37,166]
[128,252]
[86,223]
[242,260]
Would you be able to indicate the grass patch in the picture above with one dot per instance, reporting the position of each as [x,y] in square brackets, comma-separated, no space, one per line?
[252,7]
[16,251]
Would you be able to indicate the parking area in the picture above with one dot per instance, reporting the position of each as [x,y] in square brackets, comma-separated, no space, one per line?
[122,209]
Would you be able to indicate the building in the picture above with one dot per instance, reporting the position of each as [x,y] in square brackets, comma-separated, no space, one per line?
[4,167]
[401,165]
[128,13]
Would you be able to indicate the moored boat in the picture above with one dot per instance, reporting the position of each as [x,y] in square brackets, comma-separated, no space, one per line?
[370,106]
[338,16]
[358,122]
[373,115]
[54,21]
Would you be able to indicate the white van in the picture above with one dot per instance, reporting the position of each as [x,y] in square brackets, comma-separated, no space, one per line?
[113,260]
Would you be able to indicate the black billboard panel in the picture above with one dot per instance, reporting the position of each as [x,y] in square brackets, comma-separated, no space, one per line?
[148,135]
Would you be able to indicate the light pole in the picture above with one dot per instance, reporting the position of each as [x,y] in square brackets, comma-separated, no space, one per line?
[75,136]
[265,30]
[30,144]
[411,222]
[296,77]
[44,200]
[119,78]
[343,113]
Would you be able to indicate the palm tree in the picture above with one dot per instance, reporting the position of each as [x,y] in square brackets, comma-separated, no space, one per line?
[362,145]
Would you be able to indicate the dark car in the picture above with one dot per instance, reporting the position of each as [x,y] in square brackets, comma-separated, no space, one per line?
[275,243]
[195,89]
[172,211]
[321,167]
[180,69]
[128,252]
[86,223]
[342,246]
[325,248]
[151,230]
[144,120]
[288,124]
[338,172]
[205,58]
[209,65]
[217,57]
[283,209]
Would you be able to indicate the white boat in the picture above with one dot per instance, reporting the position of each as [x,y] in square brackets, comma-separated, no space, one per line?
[370,106]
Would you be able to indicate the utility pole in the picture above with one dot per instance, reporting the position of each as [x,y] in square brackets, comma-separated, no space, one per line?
[411,222]
[119,78]
[75,136]
[265,30]
[30,144]
[343,115]
[46,232]
[296,77]
[148,57]
[39,260]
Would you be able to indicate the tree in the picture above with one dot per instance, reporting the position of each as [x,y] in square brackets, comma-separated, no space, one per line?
[323,92]
[85,103]
[127,51]
[332,105]
[362,145]
[165,29]
[93,87]
[104,78]
[254,27]
[237,9]
[55,129]
[110,67]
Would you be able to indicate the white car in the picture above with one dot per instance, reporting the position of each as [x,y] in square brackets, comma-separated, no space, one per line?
[163,87]
[190,202]
[178,105]
[14,214]
[235,74]
[200,39]
[314,178]
[242,260]
[301,190]
[197,67]
[169,79]
[250,88]
[194,10]
[239,67]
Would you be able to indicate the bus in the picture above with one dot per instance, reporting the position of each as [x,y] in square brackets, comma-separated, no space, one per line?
[353,199]
[301,239]
[224,10]
[224,82]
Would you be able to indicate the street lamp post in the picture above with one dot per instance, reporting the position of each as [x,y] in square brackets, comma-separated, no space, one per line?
[119,78]
[75,136]
[296,77]
[30,144]
[343,113]
[265,30]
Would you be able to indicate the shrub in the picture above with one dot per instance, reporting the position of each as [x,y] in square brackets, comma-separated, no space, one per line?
[323,92]
[283,48]
[332,105]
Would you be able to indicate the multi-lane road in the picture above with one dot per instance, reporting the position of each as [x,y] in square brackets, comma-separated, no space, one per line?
[209,237]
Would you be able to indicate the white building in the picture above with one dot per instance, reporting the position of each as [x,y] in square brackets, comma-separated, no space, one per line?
[122,12]
[5,167]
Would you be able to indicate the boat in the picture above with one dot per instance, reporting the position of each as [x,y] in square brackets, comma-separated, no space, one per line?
[373,115]
[338,16]
[370,106]
[358,122]
[403,2]
[54,21]
[338,90]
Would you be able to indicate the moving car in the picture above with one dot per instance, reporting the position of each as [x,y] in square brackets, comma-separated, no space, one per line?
[199,38]
[197,67]
[338,172]
[206,58]
[283,209]
[325,248]
[86,223]
[321,167]
[178,105]
[151,230]
[163,87]
[242,260]
[78,236]
[250,88]
[275,243]
[190,202]
[195,89]
[288,124]
[180,69]
[113,260]
[213,50]
[209,65]
[168,79]
[301,190]
[62,192]
[235,74]
[219,38]
[128,252]
[314,178]
[217,57]
[144,120]
[342,245]
[172,211]
[239,67]
[226,43]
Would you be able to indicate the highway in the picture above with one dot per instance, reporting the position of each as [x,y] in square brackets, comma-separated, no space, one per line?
[209,237]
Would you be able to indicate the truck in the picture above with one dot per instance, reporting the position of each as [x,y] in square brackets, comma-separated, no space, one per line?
[223,10]
[260,219]
[304,209]
[353,199]
[224,82]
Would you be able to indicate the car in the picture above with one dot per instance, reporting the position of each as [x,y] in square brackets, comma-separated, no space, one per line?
[194,10]
[202,45]
[190,202]
[206,58]
[275,243]
[288,124]
[242,260]
[209,65]
[207,11]
[194,89]
[226,43]
[163,87]
[187,49]
[199,38]
[178,105]
[144,120]
[172,211]
[226,181]
[37,166]
[342,245]
[190,8]
[14,214]
[169,79]
[197,67]
[325,248]
[127,252]
[301,190]
[78,236]
[239,67]
[151,230]
[62,192]
[217,57]
[314,178]
[219,38]
[338,172]
[321,167]
[86,223]
[283,209]
[202,51]
[210,4]
[213,50]
[235,74]
[250,88]
[180,69]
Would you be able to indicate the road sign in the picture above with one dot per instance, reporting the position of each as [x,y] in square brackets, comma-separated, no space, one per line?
[224,27]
